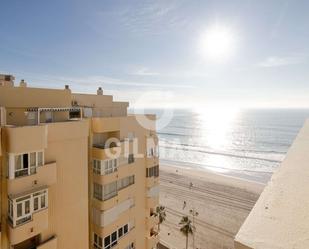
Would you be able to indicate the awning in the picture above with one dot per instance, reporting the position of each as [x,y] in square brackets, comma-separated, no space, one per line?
[55,109]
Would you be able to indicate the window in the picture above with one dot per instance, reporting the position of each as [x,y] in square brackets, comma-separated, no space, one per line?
[125,182]
[110,190]
[26,206]
[25,164]
[105,167]
[36,204]
[74,114]
[97,167]
[126,229]
[87,112]
[153,151]
[40,158]
[120,232]
[131,158]
[152,171]
[107,241]
[48,117]
[97,191]
[112,239]
[97,241]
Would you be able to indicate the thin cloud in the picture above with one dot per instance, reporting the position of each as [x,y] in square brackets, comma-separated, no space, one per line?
[144,72]
[275,61]
[149,17]
[92,81]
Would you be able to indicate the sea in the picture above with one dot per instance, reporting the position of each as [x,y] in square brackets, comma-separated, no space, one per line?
[249,143]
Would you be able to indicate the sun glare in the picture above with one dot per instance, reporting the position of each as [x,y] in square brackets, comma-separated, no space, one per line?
[217,43]
[217,122]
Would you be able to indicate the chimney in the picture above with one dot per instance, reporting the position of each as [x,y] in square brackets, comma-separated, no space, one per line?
[100,91]
[6,80]
[23,83]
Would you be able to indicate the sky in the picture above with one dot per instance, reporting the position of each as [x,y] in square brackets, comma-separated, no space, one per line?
[152,53]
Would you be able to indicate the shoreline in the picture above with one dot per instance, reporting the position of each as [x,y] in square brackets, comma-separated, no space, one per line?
[222,201]
[249,175]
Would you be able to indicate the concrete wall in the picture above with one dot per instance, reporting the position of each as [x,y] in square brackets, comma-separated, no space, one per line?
[280,218]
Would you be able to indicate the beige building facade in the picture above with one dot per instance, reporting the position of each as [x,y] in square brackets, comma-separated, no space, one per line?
[76,171]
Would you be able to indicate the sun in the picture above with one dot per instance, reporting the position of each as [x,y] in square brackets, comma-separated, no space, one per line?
[217,43]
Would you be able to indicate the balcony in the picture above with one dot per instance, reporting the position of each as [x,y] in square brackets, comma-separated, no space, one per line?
[35,226]
[100,152]
[33,138]
[280,218]
[108,124]
[109,216]
[121,172]
[152,240]
[122,195]
[120,220]
[45,175]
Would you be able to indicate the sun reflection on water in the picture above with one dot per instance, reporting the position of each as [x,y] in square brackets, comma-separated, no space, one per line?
[217,125]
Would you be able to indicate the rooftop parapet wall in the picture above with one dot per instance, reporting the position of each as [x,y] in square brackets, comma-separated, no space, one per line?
[92,100]
[280,218]
[25,97]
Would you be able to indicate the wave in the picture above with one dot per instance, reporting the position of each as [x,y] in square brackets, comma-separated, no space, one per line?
[224,154]
[202,166]
[234,149]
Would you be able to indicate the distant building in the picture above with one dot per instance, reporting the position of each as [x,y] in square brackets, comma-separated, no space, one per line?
[76,171]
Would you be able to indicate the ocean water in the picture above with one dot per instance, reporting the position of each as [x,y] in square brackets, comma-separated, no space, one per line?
[247,143]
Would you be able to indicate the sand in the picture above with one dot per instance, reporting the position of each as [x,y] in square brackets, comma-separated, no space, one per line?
[223,203]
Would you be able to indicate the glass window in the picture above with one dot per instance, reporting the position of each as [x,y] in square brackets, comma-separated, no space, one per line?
[97,191]
[40,158]
[19,209]
[125,229]
[131,158]
[114,238]
[107,241]
[27,207]
[42,201]
[110,190]
[17,162]
[97,241]
[120,232]
[32,159]
[36,204]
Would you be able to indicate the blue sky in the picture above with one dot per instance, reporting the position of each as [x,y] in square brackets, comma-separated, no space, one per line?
[148,52]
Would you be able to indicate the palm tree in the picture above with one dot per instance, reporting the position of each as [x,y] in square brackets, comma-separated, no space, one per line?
[160,212]
[194,214]
[187,228]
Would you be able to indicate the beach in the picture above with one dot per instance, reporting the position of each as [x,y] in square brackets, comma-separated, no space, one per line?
[222,202]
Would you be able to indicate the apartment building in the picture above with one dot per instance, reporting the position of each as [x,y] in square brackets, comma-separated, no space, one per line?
[76,171]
